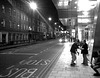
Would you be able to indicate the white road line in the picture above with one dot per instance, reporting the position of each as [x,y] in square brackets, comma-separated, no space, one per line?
[38,62]
[21,53]
[31,57]
[10,67]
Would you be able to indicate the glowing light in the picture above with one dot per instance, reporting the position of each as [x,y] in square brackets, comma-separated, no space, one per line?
[60,40]
[60,3]
[76,2]
[30,28]
[33,5]
[86,13]
[55,23]
[83,20]
[86,5]
[49,18]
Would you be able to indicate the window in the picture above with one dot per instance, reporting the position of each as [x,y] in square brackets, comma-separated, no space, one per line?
[3,22]
[21,16]
[10,11]
[27,18]
[14,13]
[24,17]
[3,9]
[10,24]
[24,26]
[63,3]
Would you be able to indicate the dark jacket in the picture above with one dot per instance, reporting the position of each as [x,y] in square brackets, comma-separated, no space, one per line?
[74,48]
[85,49]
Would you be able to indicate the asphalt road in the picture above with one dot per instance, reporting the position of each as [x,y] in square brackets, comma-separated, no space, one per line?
[31,61]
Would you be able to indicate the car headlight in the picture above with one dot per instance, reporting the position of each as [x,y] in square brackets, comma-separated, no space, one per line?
[65,39]
[60,40]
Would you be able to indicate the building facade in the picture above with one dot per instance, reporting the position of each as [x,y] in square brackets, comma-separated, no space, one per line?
[19,24]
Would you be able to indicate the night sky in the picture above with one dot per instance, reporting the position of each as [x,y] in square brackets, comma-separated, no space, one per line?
[47,8]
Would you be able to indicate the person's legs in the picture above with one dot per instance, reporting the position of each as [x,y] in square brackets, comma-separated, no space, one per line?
[85,59]
[73,58]
[96,70]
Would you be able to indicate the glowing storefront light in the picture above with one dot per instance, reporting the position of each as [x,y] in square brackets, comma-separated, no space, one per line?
[83,20]
[65,2]
[62,3]
[86,13]
[73,32]
[86,5]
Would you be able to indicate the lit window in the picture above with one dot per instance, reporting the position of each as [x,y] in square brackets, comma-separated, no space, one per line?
[3,22]
[18,26]
[65,3]
[3,8]
[60,4]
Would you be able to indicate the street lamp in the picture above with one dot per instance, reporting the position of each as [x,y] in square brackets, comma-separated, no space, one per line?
[49,18]
[33,5]
[55,23]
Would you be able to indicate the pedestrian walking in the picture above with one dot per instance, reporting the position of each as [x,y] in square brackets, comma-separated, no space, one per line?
[73,51]
[84,51]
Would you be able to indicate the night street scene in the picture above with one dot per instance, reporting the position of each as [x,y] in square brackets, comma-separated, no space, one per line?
[49,39]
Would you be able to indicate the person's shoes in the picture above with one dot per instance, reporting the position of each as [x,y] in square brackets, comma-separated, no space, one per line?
[86,64]
[96,74]
[82,63]
[73,64]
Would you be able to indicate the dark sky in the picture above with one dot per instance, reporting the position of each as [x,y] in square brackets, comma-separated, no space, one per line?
[47,8]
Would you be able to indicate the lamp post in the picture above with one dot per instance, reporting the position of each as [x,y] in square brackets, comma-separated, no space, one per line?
[33,6]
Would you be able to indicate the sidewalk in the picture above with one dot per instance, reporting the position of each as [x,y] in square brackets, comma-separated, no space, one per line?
[62,68]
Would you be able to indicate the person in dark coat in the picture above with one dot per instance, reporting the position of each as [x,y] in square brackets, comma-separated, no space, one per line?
[96,63]
[84,51]
[73,51]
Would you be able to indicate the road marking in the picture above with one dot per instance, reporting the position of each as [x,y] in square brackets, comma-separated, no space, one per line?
[10,67]
[38,62]
[21,53]
[31,57]
[46,49]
